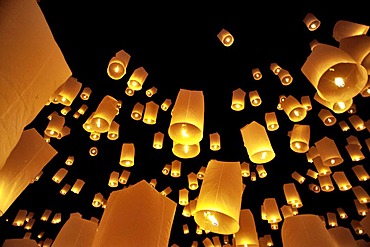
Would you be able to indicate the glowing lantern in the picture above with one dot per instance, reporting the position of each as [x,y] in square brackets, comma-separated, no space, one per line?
[214,141]
[361,194]
[271,210]
[59,175]
[285,77]
[300,138]
[183,197]
[311,22]
[93,151]
[344,29]
[225,37]
[327,118]
[245,167]
[150,113]
[271,121]
[329,152]
[293,108]
[219,201]
[176,168]
[166,104]
[68,91]
[326,183]
[185,151]
[77,186]
[365,92]
[336,107]
[45,216]
[20,218]
[201,172]
[166,169]
[360,172]
[332,219]
[65,110]
[104,114]
[305,230]
[98,200]
[320,167]
[261,171]
[113,132]
[334,73]
[65,189]
[247,234]
[151,91]
[57,218]
[298,177]
[158,140]
[357,122]
[362,208]
[357,227]
[306,102]
[312,174]
[129,91]
[137,111]
[355,152]
[341,179]
[187,121]
[95,136]
[359,48]
[166,191]
[291,195]
[315,188]
[342,214]
[113,179]
[192,181]
[238,100]
[118,64]
[275,68]
[153,182]
[127,155]
[256,73]
[254,98]
[29,224]
[343,125]
[85,94]
[287,211]
[123,178]
[55,126]
[257,143]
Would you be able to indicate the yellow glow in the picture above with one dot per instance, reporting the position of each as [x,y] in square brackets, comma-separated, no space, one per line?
[313,26]
[364,200]
[341,105]
[211,218]
[186,148]
[263,155]
[332,161]
[117,68]
[51,132]
[297,145]
[296,112]
[98,123]
[184,132]
[64,99]
[339,82]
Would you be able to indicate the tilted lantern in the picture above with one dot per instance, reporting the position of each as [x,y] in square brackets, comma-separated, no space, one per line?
[341,180]
[68,91]
[77,186]
[344,29]
[326,183]
[137,111]
[329,152]
[294,109]
[225,37]
[311,22]
[104,114]
[285,77]
[118,64]
[327,117]
[256,73]
[291,195]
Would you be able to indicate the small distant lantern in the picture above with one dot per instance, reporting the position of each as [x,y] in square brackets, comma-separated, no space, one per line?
[214,141]
[85,94]
[337,107]
[275,68]
[257,143]
[95,136]
[166,169]
[70,160]
[225,37]
[55,126]
[245,167]
[287,211]
[291,195]
[83,108]
[327,117]
[151,91]
[311,22]
[150,112]
[20,218]
[45,216]
[343,125]
[306,102]
[176,168]
[98,200]
[238,100]
[320,167]
[153,182]
[77,186]
[57,218]
[129,91]
[65,189]
[314,187]
[342,214]
[271,121]
[332,219]
[255,98]
[253,176]
[298,177]
[341,180]
[357,122]
[360,172]
[361,194]
[59,175]
[326,183]
[183,197]
[65,110]
[261,171]
[312,174]
[113,179]
[166,104]
[357,227]
[300,138]
[158,140]
[127,155]
[113,132]
[329,152]
[201,173]
[285,77]
[166,191]
[93,151]
[362,208]
[68,91]
[118,64]
[256,73]
[293,108]
[137,111]
[123,178]
[192,181]
[354,152]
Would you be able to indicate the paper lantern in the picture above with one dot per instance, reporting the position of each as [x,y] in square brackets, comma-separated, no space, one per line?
[361,194]
[285,77]
[45,216]
[201,172]
[357,122]
[93,151]
[329,152]
[287,211]
[127,155]
[247,234]
[332,219]
[166,191]
[176,168]
[150,113]
[253,176]
[137,111]
[312,174]
[362,208]
[327,118]
[85,94]
[57,218]
[192,181]
[352,109]
[65,189]
[256,73]
[183,197]
[166,104]
[104,114]
[219,200]
[131,214]
[153,182]
[291,195]
[320,167]
[255,98]
[113,179]
[76,231]
[261,171]
[158,140]
[300,138]
[365,223]
[326,183]
[65,110]
[334,73]
[68,91]
[113,131]
[123,178]
[29,224]
[344,29]
[354,152]
[55,126]
[293,108]
[257,143]
[343,125]
[271,210]
[357,227]
[341,180]
[305,230]
[187,120]
[214,141]
[129,91]
[342,236]
[365,92]
[225,37]
[342,214]
[245,167]
[238,100]
[298,177]
[275,68]
[77,186]
[59,175]
[117,66]
[95,136]
[70,160]
[19,242]
[166,169]
[311,22]
[359,48]
[306,102]
[271,121]
[314,187]
[151,91]
[20,218]
[360,172]
[185,151]
[98,200]
[337,107]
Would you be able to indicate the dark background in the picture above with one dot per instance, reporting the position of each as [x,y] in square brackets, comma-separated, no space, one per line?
[177,45]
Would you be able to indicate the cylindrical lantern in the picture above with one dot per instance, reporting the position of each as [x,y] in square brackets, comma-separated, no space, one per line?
[360,172]
[85,94]
[342,214]
[314,187]
[321,169]
[183,197]
[361,194]
[305,230]
[343,125]
[214,141]
[291,195]
[201,172]
[261,171]
[257,143]
[77,186]
[59,175]
[158,140]
[129,91]
[359,48]
[300,138]
[137,111]
[285,77]
[275,68]
[176,168]
[326,183]
[118,64]
[98,199]
[57,218]
[153,182]
[247,234]
[357,122]
[113,132]
[332,219]
[298,177]
[337,107]
[311,22]
[253,176]
[219,200]
[192,181]
[362,208]
[65,110]
[329,152]
[365,92]
[225,37]
[344,29]
[306,102]
[55,126]
[256,73]
[68,91]
[312,174]
[357,227]
[341,180]
[354,152]
[187,121]
[151,91]
[137,79]
[185,151]
[271,121]
[245,167]
[45,216]
[93,151]
[70,160]
[166,104]
[327,117]
[127,155]
[166,191]
[166,169]
[123,178]
[271,210]
[95,136]
[83,108]
[293,108]
[113,179]
[20,218]
[65,189]
[104,114]
[125,219]
[238,100]
[334,73]
[254,98]
[150,113]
